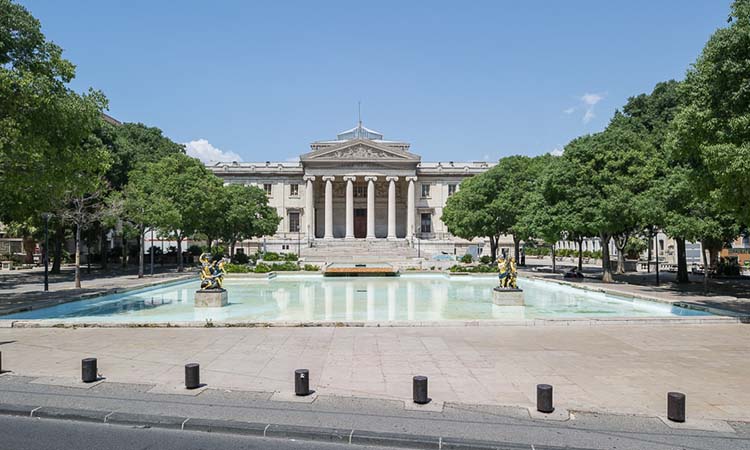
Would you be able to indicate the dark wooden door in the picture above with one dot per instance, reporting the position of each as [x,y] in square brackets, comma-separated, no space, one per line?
[360,223]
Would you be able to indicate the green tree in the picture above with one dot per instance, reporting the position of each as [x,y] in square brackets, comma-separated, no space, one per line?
[712,131]
[599,179]
[132,144]
[247,215]
[43,123]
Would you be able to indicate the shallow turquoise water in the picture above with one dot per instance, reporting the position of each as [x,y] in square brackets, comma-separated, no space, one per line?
[412,297]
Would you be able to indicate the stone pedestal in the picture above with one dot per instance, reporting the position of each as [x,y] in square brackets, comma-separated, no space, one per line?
[507,297]
[211,298]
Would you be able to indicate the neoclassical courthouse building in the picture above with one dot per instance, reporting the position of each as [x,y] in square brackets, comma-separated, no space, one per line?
[359,186]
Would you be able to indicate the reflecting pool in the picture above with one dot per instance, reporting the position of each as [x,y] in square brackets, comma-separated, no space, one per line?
[409,297]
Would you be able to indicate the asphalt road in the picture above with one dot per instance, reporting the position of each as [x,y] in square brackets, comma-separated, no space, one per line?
[22,433]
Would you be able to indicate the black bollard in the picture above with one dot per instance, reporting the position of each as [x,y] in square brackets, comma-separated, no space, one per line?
[88,370]
[544,398]
[676,406]
[419,384]
[302,382]
[192,376]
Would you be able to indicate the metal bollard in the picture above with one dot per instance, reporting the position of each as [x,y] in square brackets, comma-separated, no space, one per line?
[192,376]
[88,370]
[419,385]
[676,406]
[302,382]
[544,398]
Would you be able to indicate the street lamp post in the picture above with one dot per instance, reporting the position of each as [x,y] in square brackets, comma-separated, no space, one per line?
[46,251]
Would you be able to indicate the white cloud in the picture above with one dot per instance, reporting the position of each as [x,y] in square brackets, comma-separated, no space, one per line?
[588,102]
[557,151]
[207,153]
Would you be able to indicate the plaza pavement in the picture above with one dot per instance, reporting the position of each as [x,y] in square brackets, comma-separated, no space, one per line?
[614,369]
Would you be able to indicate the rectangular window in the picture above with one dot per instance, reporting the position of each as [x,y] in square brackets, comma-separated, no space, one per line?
[360,190]
[425,191]
[426,223]
[267,188]
[294,222]
[451,189]
[294,190]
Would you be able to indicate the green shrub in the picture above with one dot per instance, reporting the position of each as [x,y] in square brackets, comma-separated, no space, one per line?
[467,259]
[286,266]
[237,268]
[195,250]
[240,258]
[311,268]
[485,259]
[597,254]
[476,269]
[262,268]
[290,257]
[270,256]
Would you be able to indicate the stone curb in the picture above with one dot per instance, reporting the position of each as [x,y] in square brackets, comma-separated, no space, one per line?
[277,431]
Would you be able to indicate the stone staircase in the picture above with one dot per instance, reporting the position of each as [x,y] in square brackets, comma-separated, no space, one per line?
[360,250]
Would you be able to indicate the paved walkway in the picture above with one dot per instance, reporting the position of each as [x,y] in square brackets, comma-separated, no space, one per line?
[21,290]
[609,369]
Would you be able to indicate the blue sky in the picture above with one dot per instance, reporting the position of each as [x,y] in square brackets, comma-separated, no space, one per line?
[459,80]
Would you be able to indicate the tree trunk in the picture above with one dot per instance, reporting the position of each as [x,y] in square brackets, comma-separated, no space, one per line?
[141,243]
[516,249]
[620,242]
[180,267]
[232,243]
[209,243]
[103,249]
[29,245]
[705,267]
[554,263]
[59,238]
[493,248]
[650,243]
[682,273]
[580,254]
[124,252]
[78,257]
[606,269]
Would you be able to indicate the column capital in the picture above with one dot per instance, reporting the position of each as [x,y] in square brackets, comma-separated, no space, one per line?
[328,178]
[308,177]
[410,178]
[350,178]
[371,178]
[391,178]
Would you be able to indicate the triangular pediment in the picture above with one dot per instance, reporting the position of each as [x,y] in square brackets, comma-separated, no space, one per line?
[359,150]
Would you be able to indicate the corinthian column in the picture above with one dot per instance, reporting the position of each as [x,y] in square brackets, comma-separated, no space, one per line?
[371,206]
[391,206]
[328,234]
[349,207]
[309,206]
[410,208]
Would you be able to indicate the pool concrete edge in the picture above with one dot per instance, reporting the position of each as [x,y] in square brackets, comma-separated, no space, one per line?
[564,322]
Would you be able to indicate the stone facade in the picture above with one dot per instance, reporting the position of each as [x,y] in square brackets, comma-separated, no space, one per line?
[357,187]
